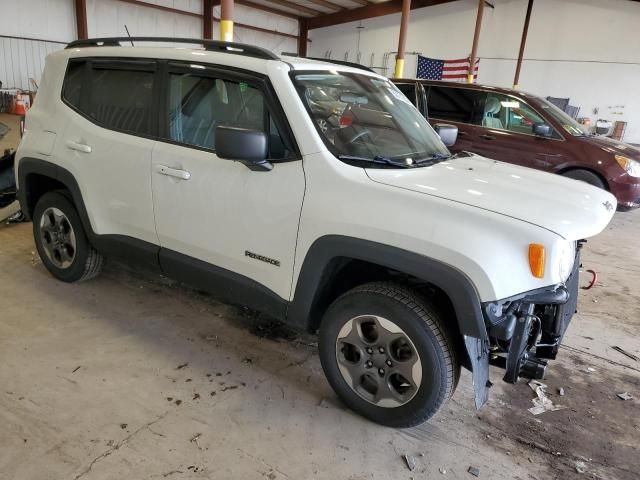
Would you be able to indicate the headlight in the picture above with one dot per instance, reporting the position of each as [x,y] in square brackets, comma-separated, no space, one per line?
[566,258]
[632,167]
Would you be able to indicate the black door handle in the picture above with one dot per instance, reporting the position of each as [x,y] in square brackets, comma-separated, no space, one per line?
[462,133]
[488,137]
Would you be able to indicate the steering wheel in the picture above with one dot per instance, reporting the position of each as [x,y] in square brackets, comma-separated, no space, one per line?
[359,135]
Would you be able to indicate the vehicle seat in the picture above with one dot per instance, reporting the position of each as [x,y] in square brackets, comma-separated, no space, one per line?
[491,110]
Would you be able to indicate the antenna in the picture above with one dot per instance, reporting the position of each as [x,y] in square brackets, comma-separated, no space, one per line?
[129,35]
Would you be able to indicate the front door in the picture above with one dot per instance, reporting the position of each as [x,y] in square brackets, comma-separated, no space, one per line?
[505,132]
[220,225]
[456,106]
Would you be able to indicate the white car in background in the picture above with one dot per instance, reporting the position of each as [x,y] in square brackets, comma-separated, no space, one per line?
[212,166]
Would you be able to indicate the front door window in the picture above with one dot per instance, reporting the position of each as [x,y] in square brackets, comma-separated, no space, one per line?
[502,112]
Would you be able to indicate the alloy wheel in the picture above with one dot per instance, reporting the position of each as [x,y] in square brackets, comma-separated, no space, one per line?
[378,361]
[58,237]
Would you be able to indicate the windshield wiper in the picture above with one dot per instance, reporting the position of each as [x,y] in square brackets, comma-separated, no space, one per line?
[436,157]
[377,160]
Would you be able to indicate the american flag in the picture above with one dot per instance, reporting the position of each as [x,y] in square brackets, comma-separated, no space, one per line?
[452,70]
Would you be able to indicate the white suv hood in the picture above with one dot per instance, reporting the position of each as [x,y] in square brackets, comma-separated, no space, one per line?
[567,207]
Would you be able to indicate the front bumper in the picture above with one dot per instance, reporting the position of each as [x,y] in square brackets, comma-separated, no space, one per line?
[526,330]
[627,193]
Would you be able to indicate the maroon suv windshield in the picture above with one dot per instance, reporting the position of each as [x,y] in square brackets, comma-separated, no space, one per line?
[568,124]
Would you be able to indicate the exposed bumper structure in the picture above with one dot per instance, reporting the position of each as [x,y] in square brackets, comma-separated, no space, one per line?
[525,331]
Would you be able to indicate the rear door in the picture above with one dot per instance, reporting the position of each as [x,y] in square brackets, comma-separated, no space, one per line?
[505,132]
[108,141]
[456,106]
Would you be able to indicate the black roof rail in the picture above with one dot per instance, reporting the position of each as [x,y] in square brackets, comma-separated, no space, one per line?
[211,45]
[329,60]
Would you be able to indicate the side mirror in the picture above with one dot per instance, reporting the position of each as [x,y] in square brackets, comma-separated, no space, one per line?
[447,133]
[541,130]
[250,147]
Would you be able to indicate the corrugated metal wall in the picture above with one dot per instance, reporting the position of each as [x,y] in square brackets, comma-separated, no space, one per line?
[22,59]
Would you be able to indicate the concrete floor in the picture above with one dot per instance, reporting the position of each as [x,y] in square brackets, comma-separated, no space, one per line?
[132,376]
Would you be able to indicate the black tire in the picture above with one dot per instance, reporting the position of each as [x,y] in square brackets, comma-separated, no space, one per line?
[421,323]
[86,262]
[587,177]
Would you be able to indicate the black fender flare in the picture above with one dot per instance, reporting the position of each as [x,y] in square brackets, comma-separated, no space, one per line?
[136,251]
[28,166]
[317,269]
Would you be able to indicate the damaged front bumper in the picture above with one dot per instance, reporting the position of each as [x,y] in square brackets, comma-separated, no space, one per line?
[526,330]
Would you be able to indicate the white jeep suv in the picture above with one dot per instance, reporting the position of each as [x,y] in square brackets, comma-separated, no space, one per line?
[313,192]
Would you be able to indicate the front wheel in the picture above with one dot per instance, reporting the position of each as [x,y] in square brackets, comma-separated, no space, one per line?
[387,354]
[587,177]
[61,241]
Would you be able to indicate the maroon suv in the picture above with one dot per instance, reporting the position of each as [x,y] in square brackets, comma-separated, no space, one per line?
[527,130]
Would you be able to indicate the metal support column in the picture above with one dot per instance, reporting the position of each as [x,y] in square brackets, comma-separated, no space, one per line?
[402,38]
[81,19]
[476,39]
[226,20]
[525,32]
[207,19]
[303,37]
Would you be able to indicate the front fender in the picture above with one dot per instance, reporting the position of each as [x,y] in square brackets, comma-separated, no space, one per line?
[319,268]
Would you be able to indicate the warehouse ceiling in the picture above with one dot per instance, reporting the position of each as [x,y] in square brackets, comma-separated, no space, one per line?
[332,11]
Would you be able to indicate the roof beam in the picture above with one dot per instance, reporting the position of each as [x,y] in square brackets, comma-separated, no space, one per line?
[295,6]
[324,3]
[161,7]
[370,11]
[264,8]
[214,18]
[367,2]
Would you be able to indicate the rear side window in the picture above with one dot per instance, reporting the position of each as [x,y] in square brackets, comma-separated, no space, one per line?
[114,95]
[453,104]
[73,81]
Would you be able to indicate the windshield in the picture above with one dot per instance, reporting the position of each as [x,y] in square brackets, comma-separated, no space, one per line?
[367,118]
[569,124]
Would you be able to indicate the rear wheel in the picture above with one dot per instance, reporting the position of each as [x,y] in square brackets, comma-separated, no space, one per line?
[61,241]
[387,354]
[587,177]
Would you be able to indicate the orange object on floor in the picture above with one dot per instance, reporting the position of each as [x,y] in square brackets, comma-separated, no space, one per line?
[20,108]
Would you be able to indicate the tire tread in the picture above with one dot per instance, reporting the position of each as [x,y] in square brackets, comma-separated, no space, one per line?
[421,307]
[94,260]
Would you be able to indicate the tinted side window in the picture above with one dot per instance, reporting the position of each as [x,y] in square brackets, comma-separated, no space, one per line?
[199,104]
[121,99]
[454,104]
[73,81]
[409,90]
[116,98]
